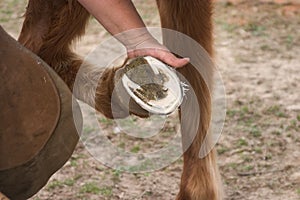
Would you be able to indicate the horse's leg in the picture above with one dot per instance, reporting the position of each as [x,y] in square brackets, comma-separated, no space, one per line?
[48,30]
[200,178]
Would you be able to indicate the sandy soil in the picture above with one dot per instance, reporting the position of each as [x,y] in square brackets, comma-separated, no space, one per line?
[258,48]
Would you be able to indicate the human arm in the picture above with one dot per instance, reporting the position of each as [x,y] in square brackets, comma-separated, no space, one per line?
[121,19]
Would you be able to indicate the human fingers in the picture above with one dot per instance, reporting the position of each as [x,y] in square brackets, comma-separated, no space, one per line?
[161,54]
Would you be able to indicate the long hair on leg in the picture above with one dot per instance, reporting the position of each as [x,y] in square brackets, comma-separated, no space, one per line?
[49,30]
[200,178]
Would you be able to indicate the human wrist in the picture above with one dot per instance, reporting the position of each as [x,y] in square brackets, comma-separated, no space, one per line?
[134,37]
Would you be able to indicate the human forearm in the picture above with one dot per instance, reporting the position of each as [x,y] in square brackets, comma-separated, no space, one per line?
[121,19]
[115,15]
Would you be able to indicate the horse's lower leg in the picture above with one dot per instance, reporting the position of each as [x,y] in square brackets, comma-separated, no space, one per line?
[200,178]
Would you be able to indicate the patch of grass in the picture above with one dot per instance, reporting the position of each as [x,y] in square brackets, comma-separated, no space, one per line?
[229,27]
[88,129]
[293,126]
[128,122]
[148,193]
[121,145]
[81,196]
[231,113]
[7,12]
[105,121]
[277,111]
[276,133]
[298,118]
[268,157]
[255,131]
[180,160]
[106,191]
[55,184]
[247,158]
[222,150]
[135,149]
[239,102]
[281,114]
[289,40]
[233,165]
[75,158]
[248,167]
[90,188]
[147,174]
[247,121]
[146,165]
[168,132]
[265,47]
[245,116]
[116,172]
[73,162]
[77,177]
[226,26]
[242,142]
[298,191]
[69,182]
[281,125]
[255,28]
[245,109]
[2,20]
[258,150]
[273,109]
[116,175]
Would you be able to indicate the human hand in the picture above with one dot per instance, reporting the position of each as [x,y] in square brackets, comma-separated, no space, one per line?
[139,42]
[151,47]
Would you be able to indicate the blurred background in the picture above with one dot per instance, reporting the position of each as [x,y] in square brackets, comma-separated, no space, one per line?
[257,47]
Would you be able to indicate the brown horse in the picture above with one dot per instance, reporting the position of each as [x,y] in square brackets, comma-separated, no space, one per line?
[49,29]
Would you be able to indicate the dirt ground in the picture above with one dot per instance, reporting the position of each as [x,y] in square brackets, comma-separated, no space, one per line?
[258,47]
